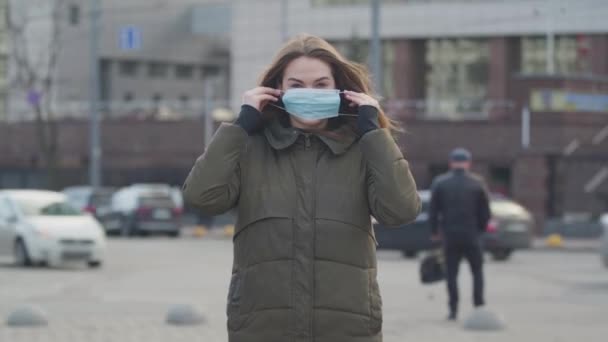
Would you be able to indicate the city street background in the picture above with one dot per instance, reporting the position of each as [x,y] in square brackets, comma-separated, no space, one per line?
[544,296]
[107,97]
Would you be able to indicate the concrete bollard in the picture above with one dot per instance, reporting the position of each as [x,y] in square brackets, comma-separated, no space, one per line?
[483,319]
[184,315]
[27,316]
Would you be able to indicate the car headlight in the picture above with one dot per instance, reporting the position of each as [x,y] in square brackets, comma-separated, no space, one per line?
[42,233]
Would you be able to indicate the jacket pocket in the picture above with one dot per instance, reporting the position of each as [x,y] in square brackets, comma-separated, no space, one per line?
[375,303]
[234,301]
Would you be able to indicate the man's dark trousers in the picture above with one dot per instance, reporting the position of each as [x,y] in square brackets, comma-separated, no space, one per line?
[455,251]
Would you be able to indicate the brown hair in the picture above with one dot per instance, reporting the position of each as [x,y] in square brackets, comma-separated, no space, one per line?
[347,74]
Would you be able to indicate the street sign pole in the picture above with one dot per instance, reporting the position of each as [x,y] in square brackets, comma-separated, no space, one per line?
[94,144]
[375,46]
[208,119]
[525,128]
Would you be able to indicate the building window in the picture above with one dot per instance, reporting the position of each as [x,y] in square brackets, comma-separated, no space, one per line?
[570,55]
[74,14]
[323,3]
[184,71]
[457,76]
[158,70]
[157,99]
[500,180]
[184,101]
[435,170]
[356,49]
[128,97]
[3,68]
[210,71]
[128,68]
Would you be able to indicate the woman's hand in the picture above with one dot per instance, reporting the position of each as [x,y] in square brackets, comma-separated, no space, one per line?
[259,97]
[367,112]
[361,99]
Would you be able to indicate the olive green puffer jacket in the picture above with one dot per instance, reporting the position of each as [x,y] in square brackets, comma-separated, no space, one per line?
[304,247]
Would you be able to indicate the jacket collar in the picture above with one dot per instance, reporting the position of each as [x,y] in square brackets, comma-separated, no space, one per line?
[282,135]
[459,171]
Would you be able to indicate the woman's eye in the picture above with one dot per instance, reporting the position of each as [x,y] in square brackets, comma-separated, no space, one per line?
[295,86]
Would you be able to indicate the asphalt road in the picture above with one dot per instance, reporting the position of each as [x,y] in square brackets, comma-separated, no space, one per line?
[542,295]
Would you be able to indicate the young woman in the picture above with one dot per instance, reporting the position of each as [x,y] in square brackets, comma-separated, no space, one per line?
[308,161]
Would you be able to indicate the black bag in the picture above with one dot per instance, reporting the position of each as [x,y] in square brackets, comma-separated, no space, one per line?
[432,268]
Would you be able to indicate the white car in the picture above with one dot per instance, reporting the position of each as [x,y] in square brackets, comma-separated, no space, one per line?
[41,227]
[604,246]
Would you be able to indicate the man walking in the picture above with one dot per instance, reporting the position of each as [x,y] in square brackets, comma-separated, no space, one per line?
[459,213]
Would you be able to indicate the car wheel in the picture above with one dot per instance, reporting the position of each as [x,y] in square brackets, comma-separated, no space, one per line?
[21,255]
[94,264]
[409,254]
[501,254]
[174,234]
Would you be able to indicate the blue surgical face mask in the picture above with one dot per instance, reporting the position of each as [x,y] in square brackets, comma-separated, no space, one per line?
[312,104]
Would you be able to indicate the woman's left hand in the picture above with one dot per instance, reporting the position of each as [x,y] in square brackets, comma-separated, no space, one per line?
[361,99]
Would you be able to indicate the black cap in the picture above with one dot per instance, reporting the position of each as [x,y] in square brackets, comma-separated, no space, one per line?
[461,155]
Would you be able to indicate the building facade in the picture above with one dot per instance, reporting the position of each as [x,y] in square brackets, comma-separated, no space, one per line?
[459,73]
[4,50]
[456,73]
[154,57]
[441,58]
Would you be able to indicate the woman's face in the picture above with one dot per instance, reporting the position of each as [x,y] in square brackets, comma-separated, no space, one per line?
[307,72]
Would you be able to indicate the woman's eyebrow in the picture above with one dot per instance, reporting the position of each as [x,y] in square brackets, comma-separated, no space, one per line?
[324,78]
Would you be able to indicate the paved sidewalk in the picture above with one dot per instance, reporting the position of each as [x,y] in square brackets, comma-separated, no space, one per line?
[544,297]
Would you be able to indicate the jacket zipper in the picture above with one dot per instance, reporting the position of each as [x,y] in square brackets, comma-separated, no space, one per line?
[314,233]
[307,141]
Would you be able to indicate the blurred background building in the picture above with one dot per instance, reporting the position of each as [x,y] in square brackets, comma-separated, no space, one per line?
[441,58]
[454,72]
[3,60]
[154,56]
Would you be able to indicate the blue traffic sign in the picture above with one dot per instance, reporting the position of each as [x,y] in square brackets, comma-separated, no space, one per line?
[130,38]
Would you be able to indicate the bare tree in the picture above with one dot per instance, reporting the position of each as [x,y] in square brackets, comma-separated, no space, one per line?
[35,69]
[357,48]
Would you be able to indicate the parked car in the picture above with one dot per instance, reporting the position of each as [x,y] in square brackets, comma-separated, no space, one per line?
[509,229]
[86,198]
[604,245]
[143,209]
[41,227]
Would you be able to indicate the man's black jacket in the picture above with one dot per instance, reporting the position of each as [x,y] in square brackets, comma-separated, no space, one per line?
[459,206]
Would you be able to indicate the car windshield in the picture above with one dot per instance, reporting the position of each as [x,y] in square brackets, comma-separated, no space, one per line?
[33,207]
[156,201]
[101,199]
[507,208]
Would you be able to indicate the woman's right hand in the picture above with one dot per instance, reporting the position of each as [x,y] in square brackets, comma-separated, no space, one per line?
[259,97]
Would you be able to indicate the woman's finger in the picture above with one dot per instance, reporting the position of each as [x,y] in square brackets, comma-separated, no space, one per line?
[265,97]
[265,90]
[361,99]
[353,99]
